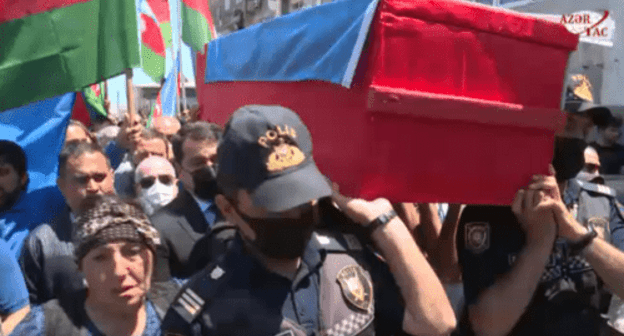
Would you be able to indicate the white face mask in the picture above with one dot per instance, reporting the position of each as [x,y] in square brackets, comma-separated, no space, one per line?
[156,197]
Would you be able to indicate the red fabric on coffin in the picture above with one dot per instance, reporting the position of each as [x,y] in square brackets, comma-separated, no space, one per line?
[469,150]
[444,107]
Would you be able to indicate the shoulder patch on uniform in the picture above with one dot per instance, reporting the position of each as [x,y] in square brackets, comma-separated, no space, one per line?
[356,287]
[190,303]
[477,236]
[598,188]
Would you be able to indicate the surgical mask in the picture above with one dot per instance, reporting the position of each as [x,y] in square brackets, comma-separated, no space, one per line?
[205,181]
[156,197]
[282,238]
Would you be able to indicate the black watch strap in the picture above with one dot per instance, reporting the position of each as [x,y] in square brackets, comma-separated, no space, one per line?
[380,221]
[582,243]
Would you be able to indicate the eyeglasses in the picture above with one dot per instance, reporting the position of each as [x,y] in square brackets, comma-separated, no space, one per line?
[149,181]
[84,179]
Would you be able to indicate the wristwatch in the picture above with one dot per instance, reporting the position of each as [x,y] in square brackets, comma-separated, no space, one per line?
[380,221]
[581,244]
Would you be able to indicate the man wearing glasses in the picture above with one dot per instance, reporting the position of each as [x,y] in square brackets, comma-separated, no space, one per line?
[190,217]
[155,183]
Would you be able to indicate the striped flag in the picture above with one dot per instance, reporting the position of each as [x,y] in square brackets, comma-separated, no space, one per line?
[94,100]
[160,8]
[197,25]
[156,109]
[169,94]
[48,48]
[153,52]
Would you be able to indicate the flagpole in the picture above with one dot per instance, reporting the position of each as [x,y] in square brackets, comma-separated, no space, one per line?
[179,54]
[130,93]
[106,106]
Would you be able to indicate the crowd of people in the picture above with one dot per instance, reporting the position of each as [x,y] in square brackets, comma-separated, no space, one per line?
[194,229]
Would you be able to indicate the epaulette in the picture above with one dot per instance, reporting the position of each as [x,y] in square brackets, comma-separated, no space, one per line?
[597,188]
[332,241]
[192,298]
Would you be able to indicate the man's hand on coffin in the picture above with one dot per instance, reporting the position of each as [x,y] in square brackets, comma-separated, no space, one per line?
[535,212]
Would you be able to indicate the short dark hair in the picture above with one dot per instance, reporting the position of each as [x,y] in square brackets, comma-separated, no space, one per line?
[13,154]
[74,149]
[198,131]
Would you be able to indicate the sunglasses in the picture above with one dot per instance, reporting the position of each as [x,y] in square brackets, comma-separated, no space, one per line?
[149,181]
[84,179]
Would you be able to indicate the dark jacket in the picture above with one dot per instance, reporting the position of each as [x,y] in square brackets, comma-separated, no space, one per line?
[182,225]
[49,266]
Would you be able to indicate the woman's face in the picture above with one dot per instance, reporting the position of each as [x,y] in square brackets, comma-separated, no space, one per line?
[118,273]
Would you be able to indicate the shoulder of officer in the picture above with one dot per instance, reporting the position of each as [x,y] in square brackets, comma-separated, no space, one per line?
[597,188]
[190,301]
[337,242]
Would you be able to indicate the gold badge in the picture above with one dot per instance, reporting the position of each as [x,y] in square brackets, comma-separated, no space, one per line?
[284,156]
[582,87]
[284,152]
[477,236]
[356,287]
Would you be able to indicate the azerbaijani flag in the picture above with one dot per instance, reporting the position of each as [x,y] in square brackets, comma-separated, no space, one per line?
[160,8]
[152,44]
[169,94]
[197,26]
[51,47]
[94,100]
[156,110]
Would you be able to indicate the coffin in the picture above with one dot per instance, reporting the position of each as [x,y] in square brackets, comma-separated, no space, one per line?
[420,101]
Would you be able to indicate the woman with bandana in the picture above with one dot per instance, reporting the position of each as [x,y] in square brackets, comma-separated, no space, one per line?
[115,249]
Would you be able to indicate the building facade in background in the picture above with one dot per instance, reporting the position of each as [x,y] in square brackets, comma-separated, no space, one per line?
[603,65]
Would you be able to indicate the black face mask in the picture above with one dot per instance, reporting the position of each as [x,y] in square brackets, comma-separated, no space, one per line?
[205,181]
[568,159]
[282,238]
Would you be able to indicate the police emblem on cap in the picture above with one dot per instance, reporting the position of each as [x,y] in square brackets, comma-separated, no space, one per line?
[356,287]
[477,236]
[284,151]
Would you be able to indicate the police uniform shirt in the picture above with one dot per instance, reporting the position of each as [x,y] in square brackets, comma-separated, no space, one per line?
[596,205]
[566,301]
[237,295]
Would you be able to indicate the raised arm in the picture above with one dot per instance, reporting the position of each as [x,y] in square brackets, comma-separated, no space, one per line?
[499,307]
[427,311]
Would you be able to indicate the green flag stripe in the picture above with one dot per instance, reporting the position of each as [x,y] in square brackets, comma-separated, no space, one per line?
[195,30]
[153,64]
[96,102]
[165,28]
[51,53]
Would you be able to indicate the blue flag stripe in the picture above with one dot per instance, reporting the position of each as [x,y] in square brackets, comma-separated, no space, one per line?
[319,43]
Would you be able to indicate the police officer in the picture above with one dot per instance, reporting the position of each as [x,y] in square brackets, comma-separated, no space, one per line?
[282,276]
[537,269]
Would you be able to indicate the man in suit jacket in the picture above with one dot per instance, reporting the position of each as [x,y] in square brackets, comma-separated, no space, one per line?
[191,215]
